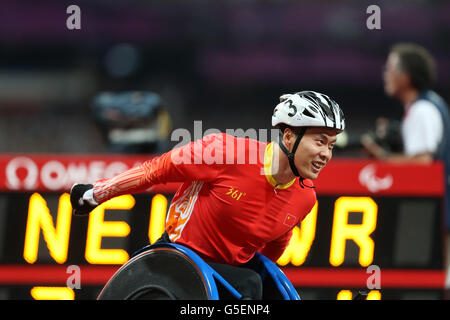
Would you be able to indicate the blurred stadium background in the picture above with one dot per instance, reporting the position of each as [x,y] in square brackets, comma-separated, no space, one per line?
[222,62]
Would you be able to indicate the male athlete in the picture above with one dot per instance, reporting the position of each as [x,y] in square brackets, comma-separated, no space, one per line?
[235,201]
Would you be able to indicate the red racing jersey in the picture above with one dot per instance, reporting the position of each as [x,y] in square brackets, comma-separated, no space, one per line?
[229,206]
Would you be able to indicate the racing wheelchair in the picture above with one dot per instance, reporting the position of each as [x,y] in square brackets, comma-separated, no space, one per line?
[168,271]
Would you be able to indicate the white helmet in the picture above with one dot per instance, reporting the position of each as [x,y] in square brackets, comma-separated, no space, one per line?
[308,109]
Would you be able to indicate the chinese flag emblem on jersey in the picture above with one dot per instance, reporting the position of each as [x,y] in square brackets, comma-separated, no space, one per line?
[289,220]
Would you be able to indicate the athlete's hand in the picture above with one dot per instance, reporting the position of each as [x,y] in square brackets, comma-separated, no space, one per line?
[82,199]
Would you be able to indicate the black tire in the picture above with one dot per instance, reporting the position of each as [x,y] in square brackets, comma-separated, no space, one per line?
[161,273]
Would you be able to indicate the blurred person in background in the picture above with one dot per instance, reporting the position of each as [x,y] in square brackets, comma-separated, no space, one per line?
[384,139]
[409,76]
[133,121]
[226,211]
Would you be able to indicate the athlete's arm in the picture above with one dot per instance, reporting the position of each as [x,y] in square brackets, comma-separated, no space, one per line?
[274,249]
[180,164]
[186,163]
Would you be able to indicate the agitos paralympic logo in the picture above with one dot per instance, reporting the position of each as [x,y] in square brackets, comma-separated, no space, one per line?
[374,183]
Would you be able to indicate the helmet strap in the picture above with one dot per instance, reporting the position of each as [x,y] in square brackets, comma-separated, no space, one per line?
[291,156]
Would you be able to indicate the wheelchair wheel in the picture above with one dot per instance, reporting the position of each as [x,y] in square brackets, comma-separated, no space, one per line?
[161,273]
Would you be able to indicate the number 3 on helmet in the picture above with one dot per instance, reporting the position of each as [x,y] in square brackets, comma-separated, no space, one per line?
[308,109]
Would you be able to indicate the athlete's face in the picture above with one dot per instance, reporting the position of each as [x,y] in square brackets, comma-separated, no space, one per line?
[314,151]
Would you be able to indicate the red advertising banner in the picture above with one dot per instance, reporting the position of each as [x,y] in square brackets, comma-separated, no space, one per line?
[352,176]
[58,172]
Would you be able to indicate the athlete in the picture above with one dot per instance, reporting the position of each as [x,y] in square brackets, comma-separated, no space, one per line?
[238,196]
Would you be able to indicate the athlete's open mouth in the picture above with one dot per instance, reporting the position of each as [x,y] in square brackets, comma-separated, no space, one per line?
[318,165]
